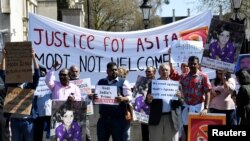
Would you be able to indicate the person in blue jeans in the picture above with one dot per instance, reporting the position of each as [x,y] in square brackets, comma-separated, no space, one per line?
[112,120]
[21,125]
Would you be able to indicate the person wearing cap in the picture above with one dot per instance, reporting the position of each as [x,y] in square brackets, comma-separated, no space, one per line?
[221,96]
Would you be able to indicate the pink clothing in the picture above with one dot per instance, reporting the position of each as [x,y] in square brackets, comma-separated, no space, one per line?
[222,101]
[60,92]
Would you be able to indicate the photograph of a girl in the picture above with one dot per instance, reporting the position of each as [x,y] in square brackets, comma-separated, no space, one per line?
[223,45]
[67,122]
[222,48]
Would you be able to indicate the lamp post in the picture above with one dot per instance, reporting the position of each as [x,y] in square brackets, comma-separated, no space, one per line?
[145,7]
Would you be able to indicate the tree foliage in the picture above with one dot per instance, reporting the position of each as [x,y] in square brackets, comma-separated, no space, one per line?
[226,5]
[119,15]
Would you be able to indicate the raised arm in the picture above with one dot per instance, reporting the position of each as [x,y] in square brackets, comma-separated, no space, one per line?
[3,60]
[50,77]
[36,66]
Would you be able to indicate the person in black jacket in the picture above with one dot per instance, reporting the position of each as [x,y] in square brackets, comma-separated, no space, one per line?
[163,123]
[243,97]
[112,117]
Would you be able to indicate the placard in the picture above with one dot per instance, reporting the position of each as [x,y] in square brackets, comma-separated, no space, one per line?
[181,50]
[106,94]
[243,62]
[198,125]
[165,89]
[18,62]
[141,117]
[18,101]
[42,88]
[68,120]
[223,45]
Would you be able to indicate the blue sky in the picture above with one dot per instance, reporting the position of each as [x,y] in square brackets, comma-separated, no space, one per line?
[180,7]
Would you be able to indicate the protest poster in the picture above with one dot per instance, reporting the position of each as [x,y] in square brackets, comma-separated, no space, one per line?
[91,50]
[141,86]
[141,109]
[198,125]
[181,50]
[42,88]
[141,117]
[85,88]
[68,120]
[223,45]
[243,62]
[106,94]
[18,62]
[18,101]
[165,90]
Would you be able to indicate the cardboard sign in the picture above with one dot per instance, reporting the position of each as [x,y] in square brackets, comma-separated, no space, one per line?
[198,125]
[18,62]
[18,101]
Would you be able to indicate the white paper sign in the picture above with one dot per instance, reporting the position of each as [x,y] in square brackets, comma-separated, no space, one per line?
[141,117]
[42,89]
[217,64]
[165,89]
[106,94]
[84,86]
[181,50]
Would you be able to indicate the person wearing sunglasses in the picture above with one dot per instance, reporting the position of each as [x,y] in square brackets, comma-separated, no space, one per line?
[62,89]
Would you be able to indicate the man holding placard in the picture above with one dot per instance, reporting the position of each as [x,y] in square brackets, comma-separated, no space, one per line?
[62,90]
[112,116]
[163,123]
[19,98]
[74,74]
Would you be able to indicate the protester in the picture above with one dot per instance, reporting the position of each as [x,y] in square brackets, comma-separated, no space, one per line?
[62,90]
[112,117]
[195,86]
[74,74]
[162,126]
[243,96]
[150,75]
[221,96]
[21,125]
[4,118]
[42,107]
[69,129]
[222,49]
[122,72]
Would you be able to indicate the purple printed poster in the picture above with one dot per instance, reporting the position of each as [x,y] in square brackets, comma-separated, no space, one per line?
[223,45]
[68,120]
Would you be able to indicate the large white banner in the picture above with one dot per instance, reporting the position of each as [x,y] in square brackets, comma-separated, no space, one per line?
[91,50]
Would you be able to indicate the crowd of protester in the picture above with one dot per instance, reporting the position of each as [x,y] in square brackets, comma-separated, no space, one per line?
[167,121]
